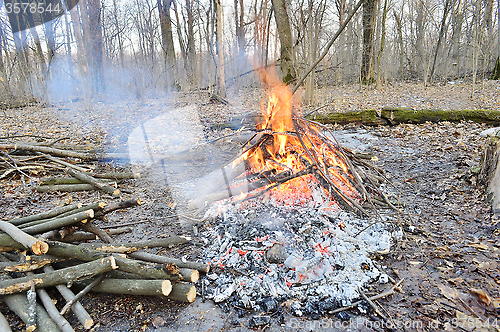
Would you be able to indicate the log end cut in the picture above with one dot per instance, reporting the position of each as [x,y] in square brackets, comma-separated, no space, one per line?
[39,247]
[88,324]
[166,287]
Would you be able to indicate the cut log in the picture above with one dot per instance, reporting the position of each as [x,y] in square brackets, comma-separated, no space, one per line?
[96,207]
[119,206]
[118,176]
[126,247]
[57,223]
[45,215]
[132,287]
[183,291]
[27,266]
[489,176]
[366,117]
[84,236]
[62,276]
[96,183]
[189,275]
[201,267]
[66,187]
[38,247]
[58,181]
[62,162]
[48,150]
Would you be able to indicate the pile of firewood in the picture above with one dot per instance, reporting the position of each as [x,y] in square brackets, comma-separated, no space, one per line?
[38,251]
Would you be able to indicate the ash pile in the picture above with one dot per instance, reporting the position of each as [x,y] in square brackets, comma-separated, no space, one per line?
[313,260]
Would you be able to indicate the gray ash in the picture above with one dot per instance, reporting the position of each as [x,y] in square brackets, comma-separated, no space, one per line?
[307,258]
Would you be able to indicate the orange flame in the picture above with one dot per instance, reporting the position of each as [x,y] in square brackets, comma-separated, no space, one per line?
[285,152]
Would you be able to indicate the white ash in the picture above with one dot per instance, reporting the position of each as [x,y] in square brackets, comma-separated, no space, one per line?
[323,266]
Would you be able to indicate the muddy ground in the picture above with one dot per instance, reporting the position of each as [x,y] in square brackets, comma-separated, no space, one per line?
[448,257]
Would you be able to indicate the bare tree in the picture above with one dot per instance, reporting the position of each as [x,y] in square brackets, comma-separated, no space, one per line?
[287,57]
[369,20]
[168,43]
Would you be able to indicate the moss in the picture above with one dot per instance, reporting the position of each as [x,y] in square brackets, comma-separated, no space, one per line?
[366,117]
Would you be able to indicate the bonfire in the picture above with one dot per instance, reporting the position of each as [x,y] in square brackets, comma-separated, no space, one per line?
[294,161]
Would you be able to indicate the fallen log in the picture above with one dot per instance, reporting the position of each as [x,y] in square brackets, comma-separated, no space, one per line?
[365,117]
[37,247]
[62,276]
[405,115]
[131,287]
[183,291]
[98,184]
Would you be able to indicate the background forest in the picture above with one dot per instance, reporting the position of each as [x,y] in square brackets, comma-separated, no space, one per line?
[144,47]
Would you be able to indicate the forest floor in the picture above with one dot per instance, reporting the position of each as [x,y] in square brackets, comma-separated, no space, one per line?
[449,255]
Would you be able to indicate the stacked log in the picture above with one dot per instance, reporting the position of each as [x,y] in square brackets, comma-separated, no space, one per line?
[105,267]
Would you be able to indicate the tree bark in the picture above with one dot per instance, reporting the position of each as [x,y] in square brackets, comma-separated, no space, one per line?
[287,59]
[221,80]
[168,43]
[62,276]
[96,45]
[369,20]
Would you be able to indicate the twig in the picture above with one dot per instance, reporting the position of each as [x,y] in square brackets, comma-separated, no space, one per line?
[80,294]
[51,309]
[77,308]
[385,293]
[31,296]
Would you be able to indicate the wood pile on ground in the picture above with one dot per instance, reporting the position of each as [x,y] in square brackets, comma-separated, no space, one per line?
[47,243]
[50,249]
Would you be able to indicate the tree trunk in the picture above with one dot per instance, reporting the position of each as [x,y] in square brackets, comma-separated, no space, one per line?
[167,39]
[96,43]
[441,34]
[457,21]
[286,41]
[382,45]
[369,20]
[221,81]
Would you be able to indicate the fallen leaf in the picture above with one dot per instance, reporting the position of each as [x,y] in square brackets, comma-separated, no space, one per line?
[480,246]
[448,292]
[481,294]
